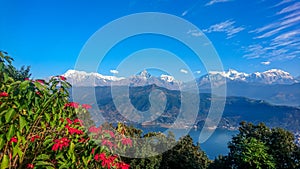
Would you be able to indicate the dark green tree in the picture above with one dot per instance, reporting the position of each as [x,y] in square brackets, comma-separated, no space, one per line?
[185,154]
[10,70]
[252,154]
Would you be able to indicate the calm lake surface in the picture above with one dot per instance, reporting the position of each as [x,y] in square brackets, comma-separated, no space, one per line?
[214,146]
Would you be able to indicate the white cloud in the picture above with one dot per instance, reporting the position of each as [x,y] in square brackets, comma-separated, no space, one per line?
[183,71]
[265,63]
[290,8]
[211,2]
[198,71]
[114,71]
[226,27]
[195,33]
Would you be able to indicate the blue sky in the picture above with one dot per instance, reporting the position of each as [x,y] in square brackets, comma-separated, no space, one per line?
[249,35]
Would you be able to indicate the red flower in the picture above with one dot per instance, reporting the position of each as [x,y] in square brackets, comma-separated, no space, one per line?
[123,165]
[112,134]
[26,78]
[34,137]
[72,104]
[93,151]
[101,156]
[107,143]
[86,106]
[73,130]
[81,140]
[38,93]
[69,121]
[78,121]
[126,141]
[63,78]
[4,94]
[60,143]
[30,165]
[106,161]
[13,140]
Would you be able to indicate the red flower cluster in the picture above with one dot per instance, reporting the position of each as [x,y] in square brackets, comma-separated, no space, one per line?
[106,161]
[126,141]
[60,143]
[72,104]
[86,106]
[73,130]
[108,143]
[95,130]
[4,94]
[34,137]
[110,161]
[123,165]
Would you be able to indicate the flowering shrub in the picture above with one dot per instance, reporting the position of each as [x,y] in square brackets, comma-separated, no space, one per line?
[40,128]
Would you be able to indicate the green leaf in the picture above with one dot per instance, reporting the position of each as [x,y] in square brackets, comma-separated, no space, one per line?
[5,77]
[47,115]
[5,162]
[1,141]
[43,163]
[24,84]
[17,150]
[71,149]
[22,122]
[48,142]
[10,133]
[9,114]
[43,157]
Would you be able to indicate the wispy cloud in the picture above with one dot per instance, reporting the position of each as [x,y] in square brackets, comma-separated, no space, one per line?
[183,71]
[283,2]
[198,71]
[265,63]
[226,27]
[114,71]
[279,40]
[211,2]
[290,8]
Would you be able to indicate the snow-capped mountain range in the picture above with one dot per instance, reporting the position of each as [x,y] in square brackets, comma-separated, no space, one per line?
[81,78]
[273,76]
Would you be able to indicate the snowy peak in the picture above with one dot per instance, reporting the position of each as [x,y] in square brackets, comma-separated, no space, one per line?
[82,78]
[273,76]
[144,74]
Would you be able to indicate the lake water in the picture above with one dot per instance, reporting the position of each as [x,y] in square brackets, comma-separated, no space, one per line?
[214,146]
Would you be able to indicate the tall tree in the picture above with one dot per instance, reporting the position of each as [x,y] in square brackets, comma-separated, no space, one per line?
[279,142]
